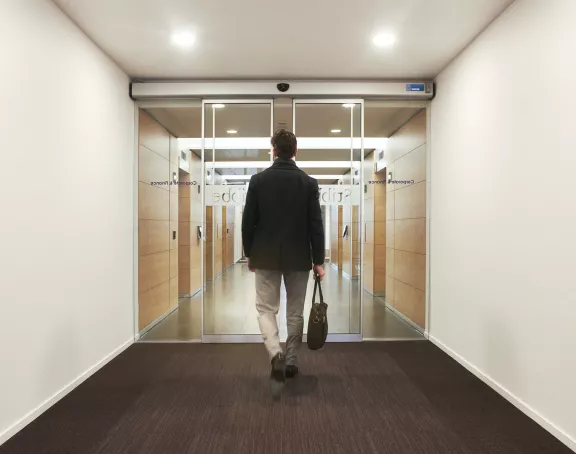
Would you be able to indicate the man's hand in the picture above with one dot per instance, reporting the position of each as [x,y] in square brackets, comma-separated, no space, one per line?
[250,267]
[318,271]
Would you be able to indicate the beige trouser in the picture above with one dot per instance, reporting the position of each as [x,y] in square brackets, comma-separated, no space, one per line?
[268,284]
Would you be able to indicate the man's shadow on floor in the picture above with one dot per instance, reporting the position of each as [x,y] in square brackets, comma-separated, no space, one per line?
[301,385]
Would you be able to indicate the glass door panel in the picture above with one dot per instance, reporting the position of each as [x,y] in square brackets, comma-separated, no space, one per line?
[236,145]
[330,144]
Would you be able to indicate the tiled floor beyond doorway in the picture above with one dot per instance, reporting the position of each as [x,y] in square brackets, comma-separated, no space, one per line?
[229,309]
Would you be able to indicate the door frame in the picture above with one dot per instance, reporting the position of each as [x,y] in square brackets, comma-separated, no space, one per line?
[190,100]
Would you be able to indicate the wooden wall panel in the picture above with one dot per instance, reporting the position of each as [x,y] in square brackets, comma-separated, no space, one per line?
[153,136]
[153,304]
[334,234]
[153,270]
[184,238]
[408,138]
[411,167]
[380,233]
[410,301]
[208,245]
[217,240]
[174,293]
[410,235]
[340,246]
[158,218]
[153,203]
[153,236]
[410,268]
[184,235]
[231,226]
[410,202]
[406,220]
[152,168]
[374,225]
[195,221]
[224,237]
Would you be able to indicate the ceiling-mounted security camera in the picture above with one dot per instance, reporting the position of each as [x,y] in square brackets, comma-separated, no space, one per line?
[283,87]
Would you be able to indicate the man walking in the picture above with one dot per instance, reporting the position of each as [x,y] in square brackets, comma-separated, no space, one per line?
[283,237]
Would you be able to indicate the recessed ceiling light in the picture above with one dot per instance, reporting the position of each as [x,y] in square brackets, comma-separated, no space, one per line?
[384,40]
[336,131]
[218,106]
[232,131]
[348,106]
[183,39]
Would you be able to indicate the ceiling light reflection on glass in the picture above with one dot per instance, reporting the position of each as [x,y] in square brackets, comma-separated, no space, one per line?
[232,131]
[336,131]
[218,106]
[349,106]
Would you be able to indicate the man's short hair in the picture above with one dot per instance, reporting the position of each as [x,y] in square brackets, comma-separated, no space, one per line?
[284,143]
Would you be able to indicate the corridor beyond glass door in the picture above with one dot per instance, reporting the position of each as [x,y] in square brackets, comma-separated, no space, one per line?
[330,143]
[236,145]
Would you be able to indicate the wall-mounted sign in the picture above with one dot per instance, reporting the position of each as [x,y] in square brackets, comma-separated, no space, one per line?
[415,87]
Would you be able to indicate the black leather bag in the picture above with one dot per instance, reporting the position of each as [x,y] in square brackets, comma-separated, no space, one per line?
[318,321]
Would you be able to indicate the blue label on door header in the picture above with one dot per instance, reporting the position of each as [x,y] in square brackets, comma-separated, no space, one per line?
[415,87]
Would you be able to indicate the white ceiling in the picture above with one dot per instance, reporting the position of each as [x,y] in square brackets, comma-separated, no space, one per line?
[289,39]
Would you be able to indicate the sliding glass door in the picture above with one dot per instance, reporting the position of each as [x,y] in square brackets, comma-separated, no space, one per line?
[236,145]
[330,136]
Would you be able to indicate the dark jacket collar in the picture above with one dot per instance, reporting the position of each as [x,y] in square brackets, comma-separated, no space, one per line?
[286,163]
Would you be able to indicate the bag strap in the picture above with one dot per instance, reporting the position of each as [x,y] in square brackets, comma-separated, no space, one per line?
[318,286]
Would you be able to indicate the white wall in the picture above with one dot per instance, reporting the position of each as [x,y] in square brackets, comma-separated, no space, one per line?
[503,209]
[66,235]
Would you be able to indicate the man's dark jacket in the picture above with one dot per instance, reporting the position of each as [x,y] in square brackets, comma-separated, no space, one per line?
[282,225]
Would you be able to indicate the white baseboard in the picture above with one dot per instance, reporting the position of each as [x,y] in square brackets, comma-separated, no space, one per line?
[510,397]
[31,416]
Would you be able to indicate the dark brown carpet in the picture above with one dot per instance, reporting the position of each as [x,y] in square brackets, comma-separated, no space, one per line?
[352,399]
